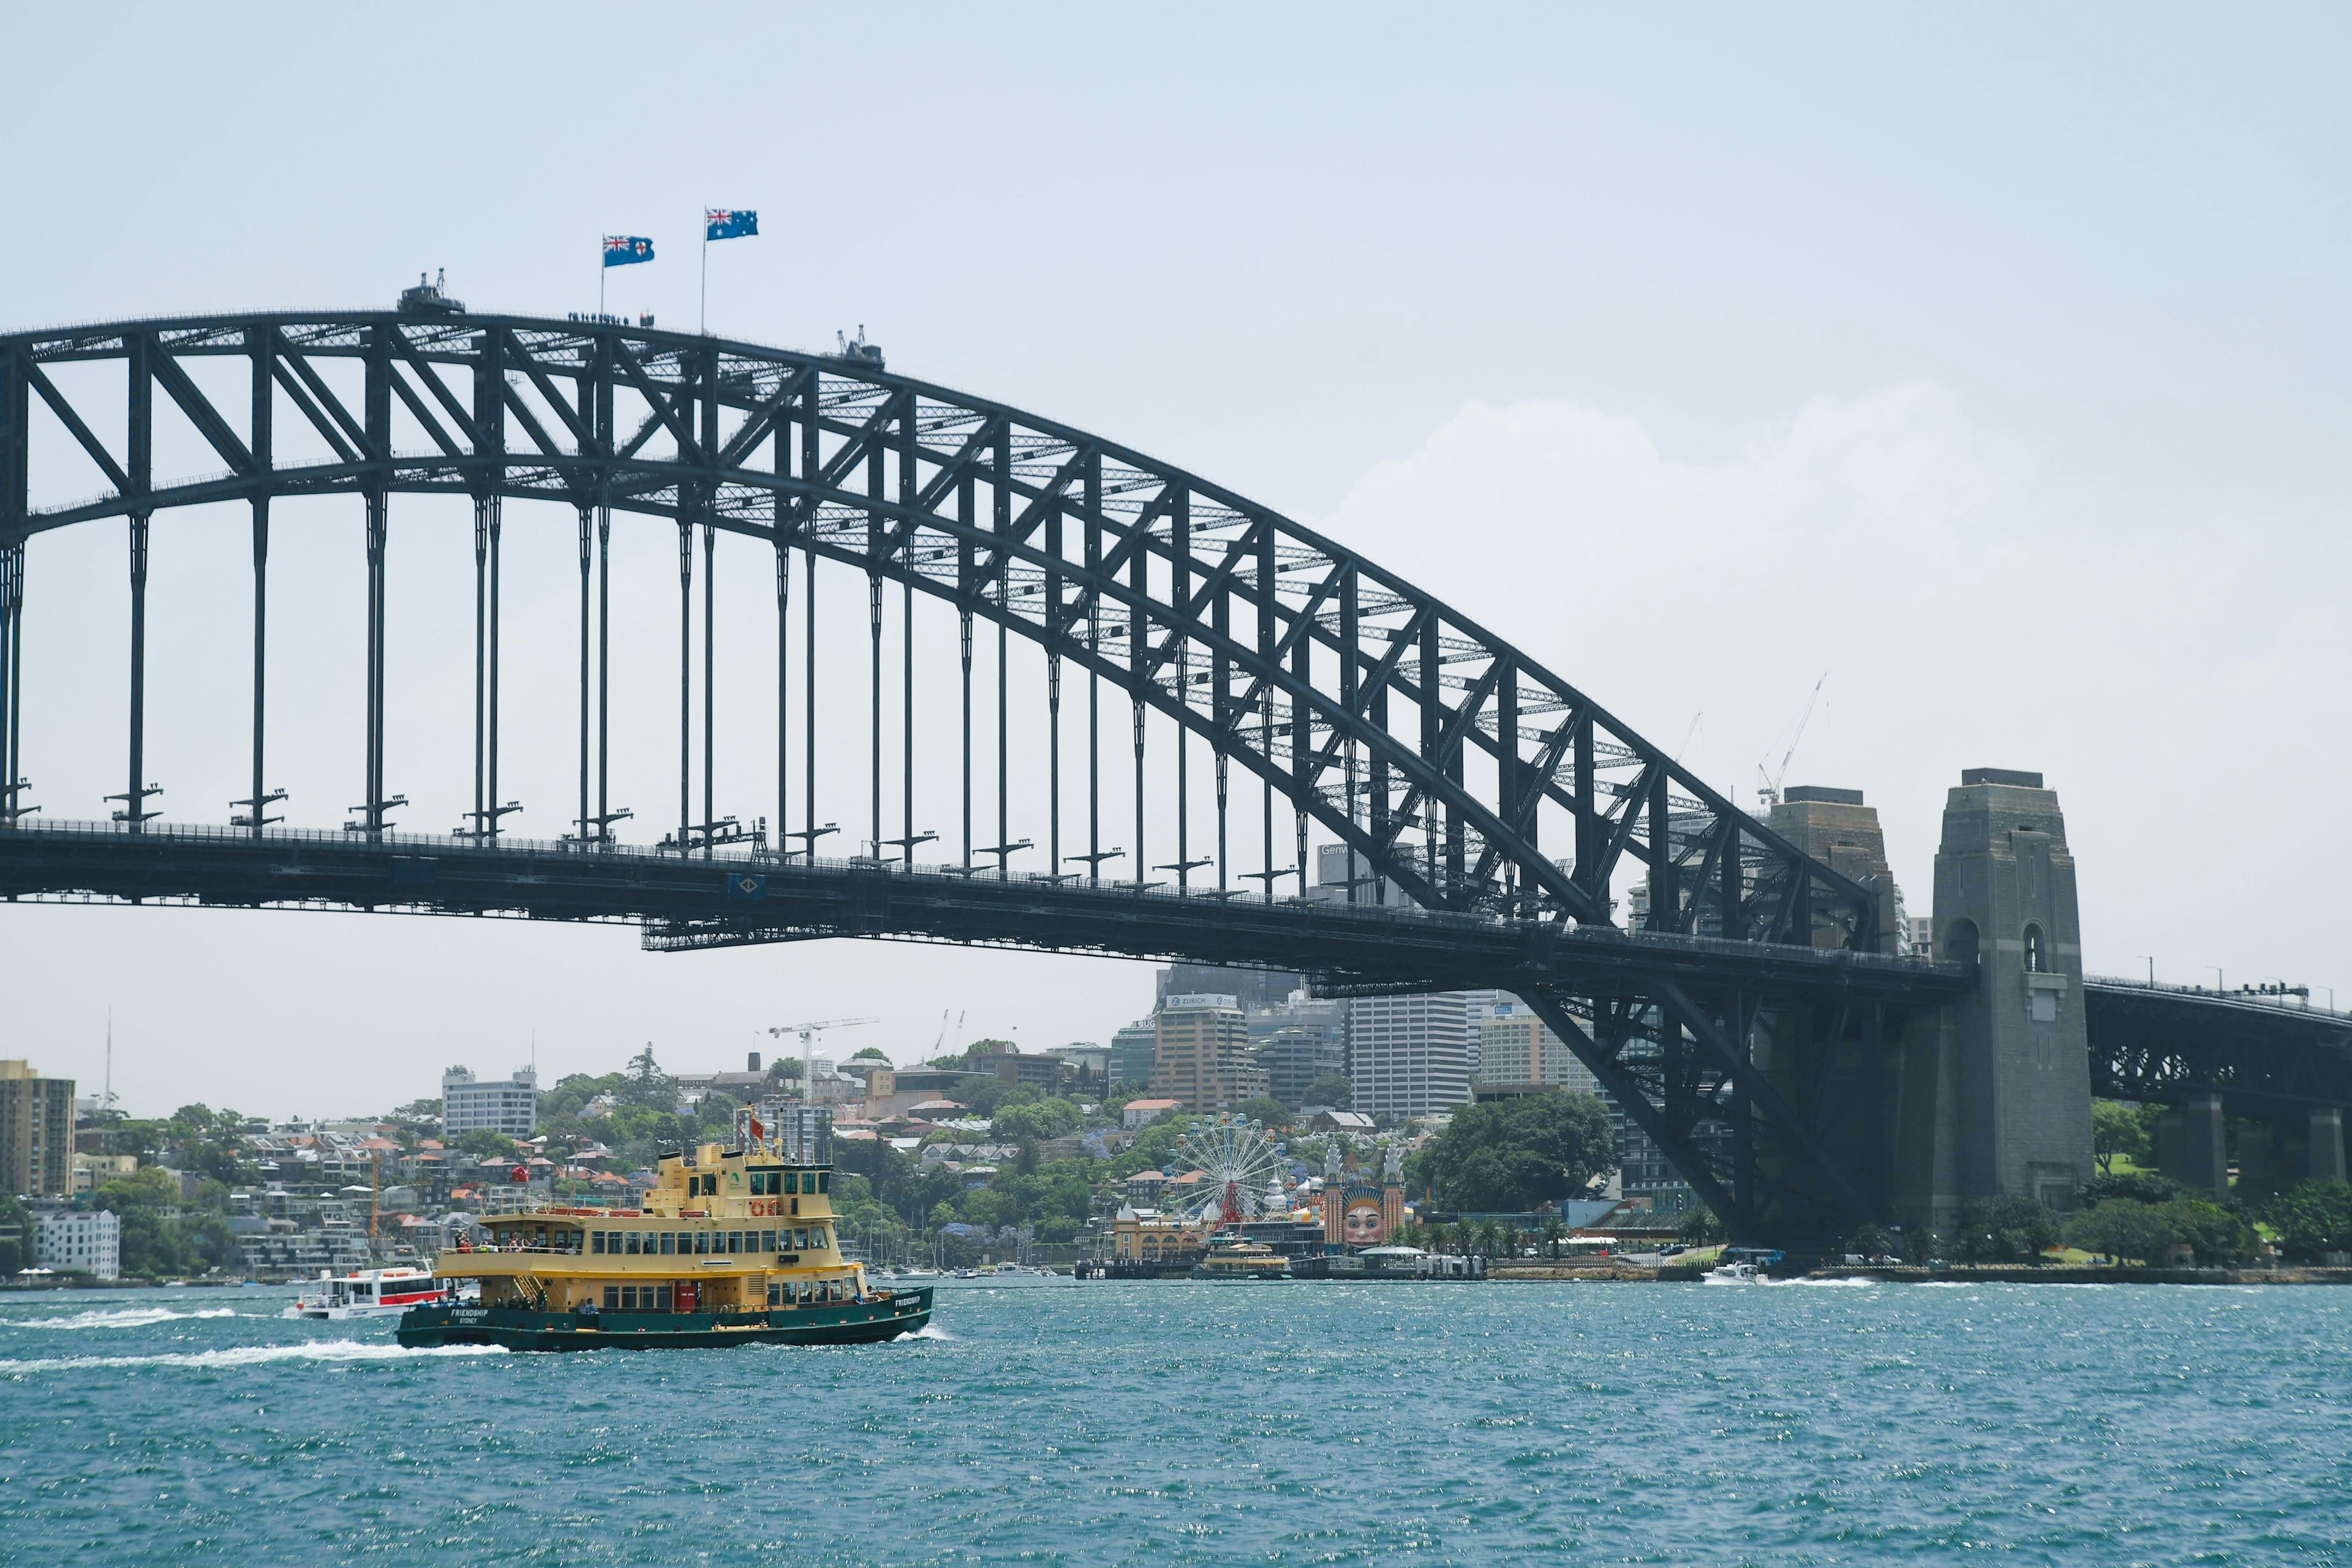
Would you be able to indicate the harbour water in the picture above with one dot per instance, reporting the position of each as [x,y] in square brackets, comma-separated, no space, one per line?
[1180,1423]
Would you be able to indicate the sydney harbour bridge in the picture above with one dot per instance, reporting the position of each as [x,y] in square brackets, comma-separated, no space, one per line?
[1221,696]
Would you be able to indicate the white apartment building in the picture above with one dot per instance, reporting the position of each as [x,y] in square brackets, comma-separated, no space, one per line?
[1410,1055]
[85,1242]
[511,1107]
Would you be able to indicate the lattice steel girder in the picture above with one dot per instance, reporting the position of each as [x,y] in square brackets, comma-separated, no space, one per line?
[2160,1045]
[687,382]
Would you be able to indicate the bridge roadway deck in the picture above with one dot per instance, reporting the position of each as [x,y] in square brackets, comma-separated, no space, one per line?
[736,897]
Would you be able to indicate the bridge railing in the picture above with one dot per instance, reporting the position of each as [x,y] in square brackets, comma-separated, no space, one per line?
[2270,1001]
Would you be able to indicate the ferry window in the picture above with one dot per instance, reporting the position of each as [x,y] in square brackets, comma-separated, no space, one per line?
[669,1241]
[661,1297]
[628,1298]
[711,1185]
[701,1241]
[613,1297]
[734,1241]
[800,1240]
[633,1242]
[825,1181]
[773,1292]
[595,1241]
[767,1241]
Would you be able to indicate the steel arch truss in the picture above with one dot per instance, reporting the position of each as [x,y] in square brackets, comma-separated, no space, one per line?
[1462,774]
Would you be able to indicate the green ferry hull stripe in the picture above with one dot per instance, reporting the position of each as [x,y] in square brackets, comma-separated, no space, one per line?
[834,1324]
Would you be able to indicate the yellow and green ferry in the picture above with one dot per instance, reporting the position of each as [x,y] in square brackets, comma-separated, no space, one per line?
[732,1246]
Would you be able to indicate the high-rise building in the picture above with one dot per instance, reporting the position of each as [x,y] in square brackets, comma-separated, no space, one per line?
[37,1131]
[1410,1055]
[511,1107]
[1298,1042]
[1201,1053]
[1516,1046]
[1130,1053]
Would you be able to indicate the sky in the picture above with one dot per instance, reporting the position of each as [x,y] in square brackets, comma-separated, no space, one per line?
[1990,363]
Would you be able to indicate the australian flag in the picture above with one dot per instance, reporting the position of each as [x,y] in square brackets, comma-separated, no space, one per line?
[627,249]
[718,223]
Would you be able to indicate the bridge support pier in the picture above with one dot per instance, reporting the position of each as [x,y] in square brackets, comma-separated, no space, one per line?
[2326,1162]
[2191,1147]
[1996,1089]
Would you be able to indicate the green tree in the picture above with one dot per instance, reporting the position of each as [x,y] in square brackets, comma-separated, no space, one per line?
[1871,1241]
[2311,1218]
[2137,1187]
[1038,1120]
[869,1053]
[646,1085]
[2007,1228]
[2215,1235]
[1265,1109]
[17,1239]
[1332,1089]
[2117,1130]
[1516,1153]
[1699,1226]
[2121,1229]
[1554,1233]
[484,1141]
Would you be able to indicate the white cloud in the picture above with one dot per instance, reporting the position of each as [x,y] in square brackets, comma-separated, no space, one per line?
[2177,676]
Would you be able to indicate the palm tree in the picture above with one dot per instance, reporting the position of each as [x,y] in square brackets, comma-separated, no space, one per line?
[1554,1232]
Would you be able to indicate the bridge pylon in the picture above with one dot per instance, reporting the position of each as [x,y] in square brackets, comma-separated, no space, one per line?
[1996,1094]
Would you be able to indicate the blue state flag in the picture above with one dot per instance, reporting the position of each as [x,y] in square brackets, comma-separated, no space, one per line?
[722,223]
[627,249]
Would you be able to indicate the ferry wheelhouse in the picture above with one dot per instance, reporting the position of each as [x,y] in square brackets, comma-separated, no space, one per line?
[733,1246]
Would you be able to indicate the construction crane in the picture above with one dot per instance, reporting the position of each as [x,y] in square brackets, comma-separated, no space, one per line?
[809,1031]
[1770,794]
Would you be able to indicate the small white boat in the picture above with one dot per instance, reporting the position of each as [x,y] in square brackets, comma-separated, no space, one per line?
[1734,1274]
[1002,1275]
[369,1293]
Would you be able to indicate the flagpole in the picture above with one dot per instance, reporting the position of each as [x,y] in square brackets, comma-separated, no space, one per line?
[601,270]
[704,326]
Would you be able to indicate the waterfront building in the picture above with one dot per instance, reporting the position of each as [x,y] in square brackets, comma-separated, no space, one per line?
[1515,1047]
[86,1241]
[470,1104]
[1357,1213]
[1200,1053]
[1130,1053]
[37,1133]
[1409,1056]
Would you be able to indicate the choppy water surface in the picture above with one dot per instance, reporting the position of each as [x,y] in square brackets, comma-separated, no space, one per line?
[1175,1423]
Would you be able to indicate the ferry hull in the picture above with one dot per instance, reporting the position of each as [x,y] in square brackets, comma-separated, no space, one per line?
[841,1323]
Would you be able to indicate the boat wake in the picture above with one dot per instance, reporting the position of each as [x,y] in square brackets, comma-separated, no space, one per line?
[250,1355]
[929,1331]
[124,1318]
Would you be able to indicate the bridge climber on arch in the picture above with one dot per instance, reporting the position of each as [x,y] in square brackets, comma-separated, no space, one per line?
[1487,811]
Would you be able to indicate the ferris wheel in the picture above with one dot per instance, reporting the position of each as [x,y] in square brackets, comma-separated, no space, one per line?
[1239,1162]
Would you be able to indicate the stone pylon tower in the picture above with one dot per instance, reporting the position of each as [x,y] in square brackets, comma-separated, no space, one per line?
[1997,1088]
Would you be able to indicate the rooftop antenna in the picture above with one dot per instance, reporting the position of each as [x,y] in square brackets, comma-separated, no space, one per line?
[1770,794]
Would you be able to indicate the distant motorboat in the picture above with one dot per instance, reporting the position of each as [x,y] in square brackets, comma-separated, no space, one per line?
[1003,1275]
[369,1293]
[1734,1274]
